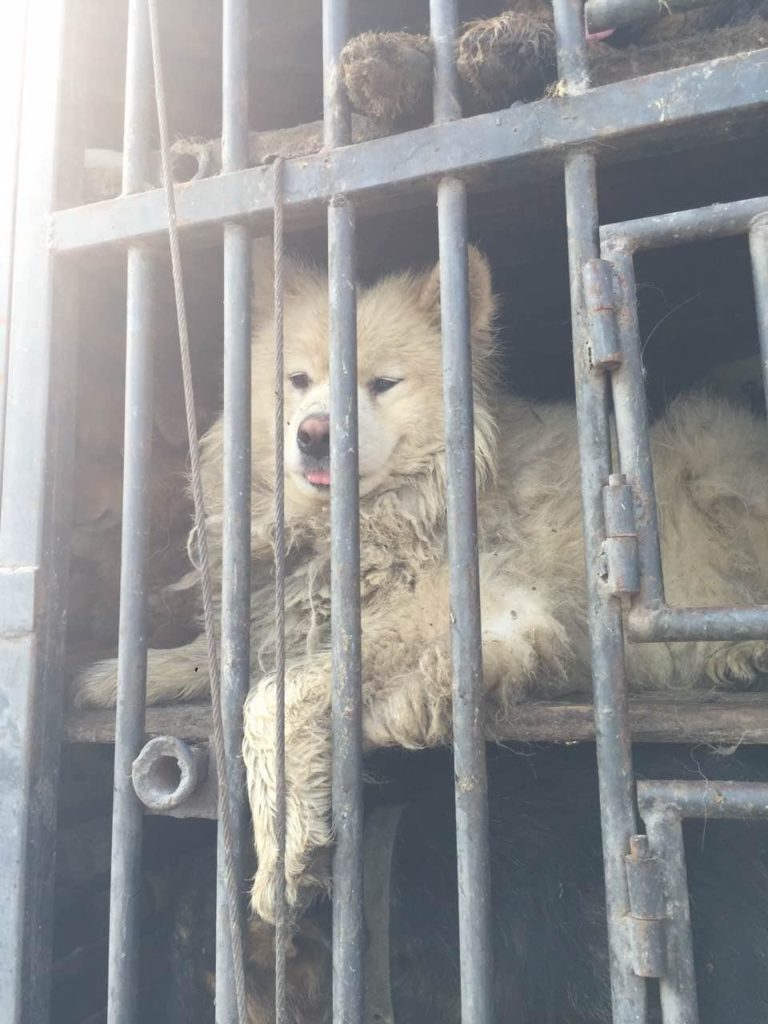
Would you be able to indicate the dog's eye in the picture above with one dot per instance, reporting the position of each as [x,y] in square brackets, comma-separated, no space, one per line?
[300,381]
[381,384]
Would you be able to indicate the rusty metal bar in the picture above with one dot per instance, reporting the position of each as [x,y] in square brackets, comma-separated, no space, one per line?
[471,784]
[665,624]
[600,313]
[282,921]
[682,227]
[677,986]
[348,985]
[758,249]
[471,794]
[663,107]
[127,814]
[346,690]
[612,731]
[335,105]
[650,619]
[632,425]
[663,805]
[609,683]
[705,799]
[604,15]
[649,912]
[236,553]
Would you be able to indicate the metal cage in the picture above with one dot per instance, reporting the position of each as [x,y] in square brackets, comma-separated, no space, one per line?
[38,288]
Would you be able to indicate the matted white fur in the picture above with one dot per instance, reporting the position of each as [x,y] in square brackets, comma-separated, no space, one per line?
[712,479]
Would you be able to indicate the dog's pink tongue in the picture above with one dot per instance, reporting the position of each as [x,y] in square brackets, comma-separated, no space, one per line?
[320,477]
[596,37]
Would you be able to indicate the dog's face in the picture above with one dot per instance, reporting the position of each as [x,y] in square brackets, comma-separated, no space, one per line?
[399,375]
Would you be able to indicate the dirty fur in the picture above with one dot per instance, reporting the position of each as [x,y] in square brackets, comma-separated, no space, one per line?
[501,60]
[711,467]
[511,57]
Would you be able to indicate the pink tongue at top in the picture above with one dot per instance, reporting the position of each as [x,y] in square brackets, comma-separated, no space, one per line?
[321,477]
[595,37]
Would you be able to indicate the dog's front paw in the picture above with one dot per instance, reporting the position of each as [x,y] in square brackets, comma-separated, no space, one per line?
[96,686]
[506,59]
[740,665]
[388,75]
[307,878]
[264,891]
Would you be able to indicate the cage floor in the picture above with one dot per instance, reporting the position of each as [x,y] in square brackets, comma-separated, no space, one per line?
[701,718]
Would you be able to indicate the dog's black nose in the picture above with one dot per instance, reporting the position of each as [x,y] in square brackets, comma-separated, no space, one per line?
[314,436]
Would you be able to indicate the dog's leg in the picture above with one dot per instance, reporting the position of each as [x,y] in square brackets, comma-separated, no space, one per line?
[523,644]
[176,674]
[388,75]
[308,782]
[506,59]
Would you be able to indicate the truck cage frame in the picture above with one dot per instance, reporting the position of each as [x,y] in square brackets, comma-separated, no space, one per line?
[648,920]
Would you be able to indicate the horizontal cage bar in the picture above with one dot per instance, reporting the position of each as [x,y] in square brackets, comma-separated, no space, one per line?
[705,799]
[683,227]
[664,107]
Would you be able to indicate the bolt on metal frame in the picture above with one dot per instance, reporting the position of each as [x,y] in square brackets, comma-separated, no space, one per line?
[606,355]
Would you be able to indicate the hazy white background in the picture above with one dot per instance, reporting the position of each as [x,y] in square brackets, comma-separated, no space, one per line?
[12,19]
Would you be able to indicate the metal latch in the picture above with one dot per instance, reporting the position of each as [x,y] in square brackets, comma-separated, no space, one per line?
[621,566]
[648,913]
[600,310]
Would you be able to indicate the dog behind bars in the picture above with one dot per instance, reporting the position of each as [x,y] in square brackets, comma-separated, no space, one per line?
[511,56]
[711,468]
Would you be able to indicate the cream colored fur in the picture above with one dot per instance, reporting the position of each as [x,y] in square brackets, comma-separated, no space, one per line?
[712,478]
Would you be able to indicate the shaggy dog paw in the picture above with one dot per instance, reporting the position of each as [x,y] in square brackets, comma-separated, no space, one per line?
[173,674]
[96,687]
[409,718]
[306,879]
[507,59]
[739,665]
[308,784]
[388,75]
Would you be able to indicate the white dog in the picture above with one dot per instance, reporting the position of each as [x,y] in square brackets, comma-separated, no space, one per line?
[711,465]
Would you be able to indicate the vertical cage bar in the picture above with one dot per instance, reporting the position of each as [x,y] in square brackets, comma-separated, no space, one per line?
[471,788]
[570,32]
[677,988]
[281,911]
[758,249]
[346,689]
[127,814]
[607,648]
[336,125]
[236,554]
[124,912]
[631,412]
[443,27]
[609,685]
[346,712]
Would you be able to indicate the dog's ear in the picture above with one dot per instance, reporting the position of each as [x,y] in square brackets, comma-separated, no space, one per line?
[482,301]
